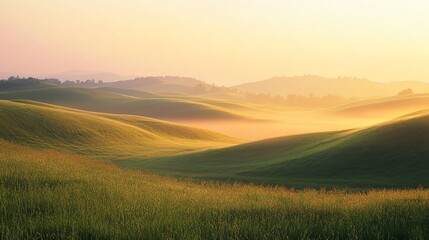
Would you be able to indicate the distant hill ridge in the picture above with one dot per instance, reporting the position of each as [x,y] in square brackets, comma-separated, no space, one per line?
[320,86]
[346,87]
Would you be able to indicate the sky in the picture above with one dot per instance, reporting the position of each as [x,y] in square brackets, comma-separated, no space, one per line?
[219,41]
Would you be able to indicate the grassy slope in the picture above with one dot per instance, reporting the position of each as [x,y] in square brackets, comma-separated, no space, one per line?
[130,92]
[160,84]
[393,154]
[115,102]
[104,136]
[235,105]
[51,195]
[383,107]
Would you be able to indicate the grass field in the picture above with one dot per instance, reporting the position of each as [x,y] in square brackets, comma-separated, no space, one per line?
[52,185]
[51,195]
[391,154]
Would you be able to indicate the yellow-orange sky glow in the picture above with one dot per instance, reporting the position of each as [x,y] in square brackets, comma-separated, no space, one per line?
[221,41]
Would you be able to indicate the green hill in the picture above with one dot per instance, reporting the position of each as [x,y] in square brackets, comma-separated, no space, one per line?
[116,101]
[106,136]
[240,106]
[393,154]
[130,92]
[164,84]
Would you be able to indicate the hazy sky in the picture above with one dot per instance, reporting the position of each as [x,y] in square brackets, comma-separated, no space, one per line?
[222,41]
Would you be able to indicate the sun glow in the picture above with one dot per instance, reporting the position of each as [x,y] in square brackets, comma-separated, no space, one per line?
[218,41]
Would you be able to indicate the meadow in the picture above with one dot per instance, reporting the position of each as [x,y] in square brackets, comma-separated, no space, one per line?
[68,173]
[385,155]
[50,195]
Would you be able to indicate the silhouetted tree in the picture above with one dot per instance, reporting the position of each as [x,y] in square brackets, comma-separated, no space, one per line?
[13,82]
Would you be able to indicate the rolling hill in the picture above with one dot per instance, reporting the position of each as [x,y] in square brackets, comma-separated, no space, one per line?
[382,108]
[238,105]
[114,100]
[104,136]
[165,84]
[320,86]
[130,92]
[392,154]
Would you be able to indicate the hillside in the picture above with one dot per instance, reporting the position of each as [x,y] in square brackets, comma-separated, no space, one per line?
[160,84]
[105,136]
[115,101]
[320,86]
[234,105]
[52,195]
[382,108]
[130,92]
[393,154]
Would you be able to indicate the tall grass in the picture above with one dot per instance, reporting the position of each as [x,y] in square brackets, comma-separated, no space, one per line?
[50,195]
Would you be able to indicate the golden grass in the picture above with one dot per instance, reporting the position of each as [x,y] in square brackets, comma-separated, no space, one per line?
[51,195]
